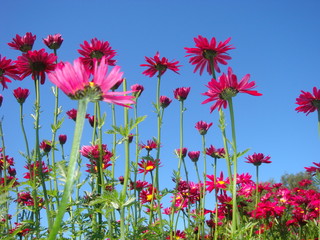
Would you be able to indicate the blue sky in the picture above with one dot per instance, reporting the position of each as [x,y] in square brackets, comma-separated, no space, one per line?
[276,42]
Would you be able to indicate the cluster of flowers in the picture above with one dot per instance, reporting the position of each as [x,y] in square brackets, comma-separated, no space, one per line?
[88,77]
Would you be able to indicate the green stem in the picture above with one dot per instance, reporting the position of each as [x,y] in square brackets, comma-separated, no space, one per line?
[235,216]
[159,122]
[54,132]
[82,107]
[203,189]
[24,132]
[126,175]
[257,185]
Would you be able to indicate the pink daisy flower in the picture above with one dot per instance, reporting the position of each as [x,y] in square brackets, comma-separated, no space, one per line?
[207,53]
[36,63]
[96,49]
[257,159]
[53,41]
[7,69]
[24,44]
[226,88]
[308,102]
[157,65]
[74,81]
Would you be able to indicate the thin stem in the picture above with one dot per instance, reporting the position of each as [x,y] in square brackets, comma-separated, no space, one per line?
[159,122]
[82,107]
[126,175]
[235,216]
[24,132]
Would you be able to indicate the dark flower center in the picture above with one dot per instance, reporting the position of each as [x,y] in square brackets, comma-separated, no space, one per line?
[1,72]
[96,54]
[209,54]
[315,103]
[228,93]
[38,66]
[161,68]
[25,48]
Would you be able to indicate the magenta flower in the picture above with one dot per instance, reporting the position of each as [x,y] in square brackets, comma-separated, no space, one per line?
[313,170]
[217,183]
[7,69]
[36,63]
[227,87]
[62,139]
[164,101]
[151,144]
[94,51]
[160,66]
[257,159]
[215,152]
[203,127]
[24,44]
[46,146]
[21,94]
[53,41]
[183,153]
[181,94]
[73,80]
[308,102]
[137,89]
[194,155]
[207,53]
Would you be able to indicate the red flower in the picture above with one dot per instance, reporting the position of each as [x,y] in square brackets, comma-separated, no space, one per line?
[147,195]
[206,53]
[308,102]
[203,127]
[178,235]
[24,44]
[160,66]
[257,159]
[138,185]
[313,170]
[194,155]
[216,183]
[149,146]
[96,50]
[34,168]
[36,63]
[226,88]
[183,153]
[53,41]
[7,68]
[46,146]
[21,94]
[137,90]
[62,139]
[72,114]
[215,152]
[164,101]
[148,165]
[181,94]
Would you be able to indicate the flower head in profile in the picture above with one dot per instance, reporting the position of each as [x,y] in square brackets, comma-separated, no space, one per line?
[36,63]
[308,102]
[206,53]
[7,69]
[313,170]
[159,65]
[21,94]
[164,101]
[215,152]
[95,50]
[137,90]
[74,81]
[227,87]
[257,159]
[46,146]
[194,155]
[203,127]
[182,93]
[24,44]
[62,139]
[180,153]
[151,144]
[53,41]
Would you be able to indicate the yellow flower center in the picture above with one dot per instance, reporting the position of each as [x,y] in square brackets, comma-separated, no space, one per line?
[149,168]
[149,197]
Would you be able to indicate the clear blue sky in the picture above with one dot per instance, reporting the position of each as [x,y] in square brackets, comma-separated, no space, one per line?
[276,42]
